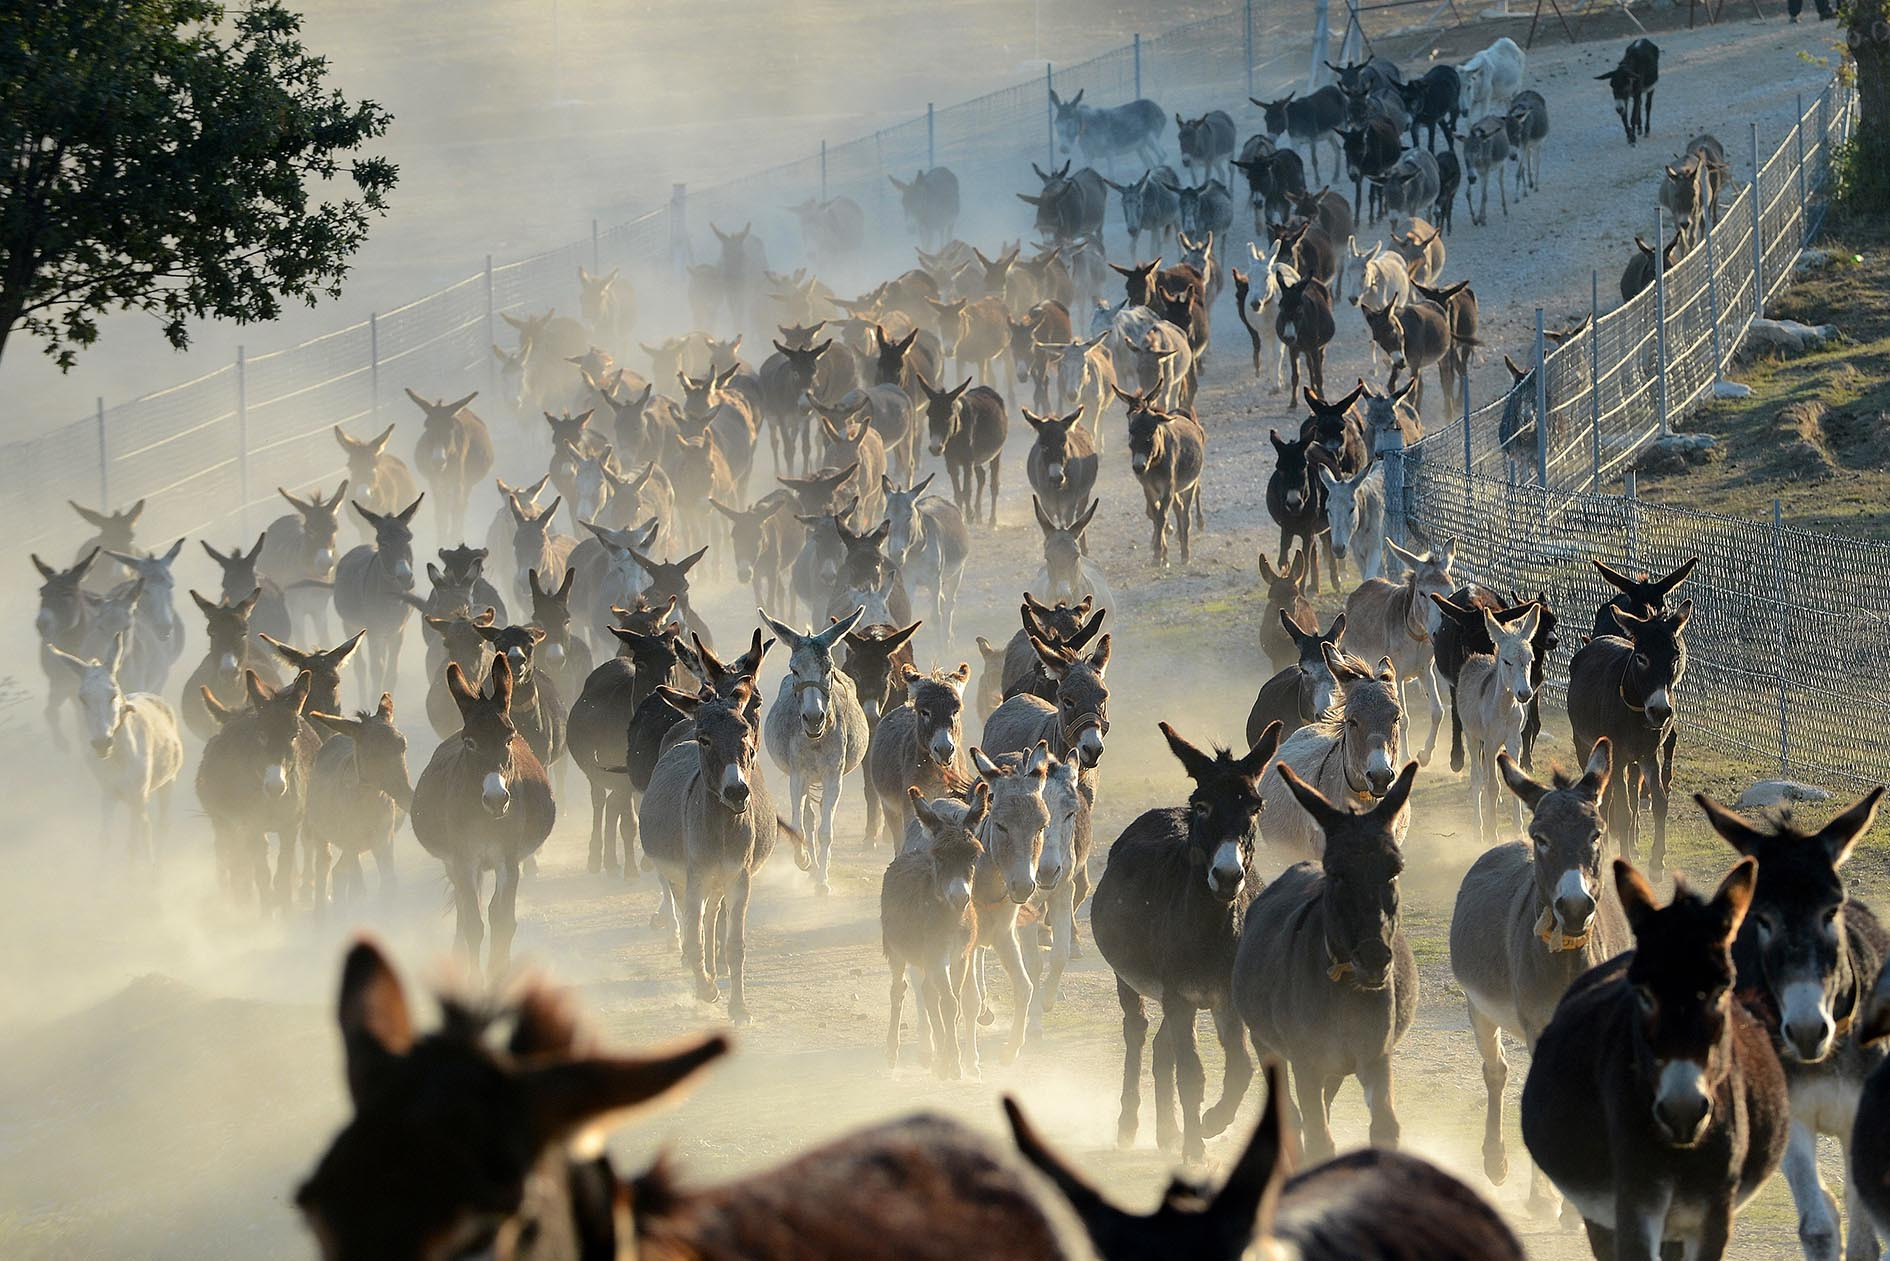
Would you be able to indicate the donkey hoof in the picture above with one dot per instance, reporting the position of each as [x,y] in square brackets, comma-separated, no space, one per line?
[986,1016]
[1193,1151]
[659,920]
[821,888]
[738,1014]
[1496,1167]
[595,864]
[707,990]
[1215,1120]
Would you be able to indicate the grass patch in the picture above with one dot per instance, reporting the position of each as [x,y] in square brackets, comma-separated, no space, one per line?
[1815,431]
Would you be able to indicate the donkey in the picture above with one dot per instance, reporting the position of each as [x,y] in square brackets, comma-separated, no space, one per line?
[1063,463]
[301,547]
[536,547]
[1355,517]
[816,731]
[1623,686]
[1308,120]
[1207,144]
[137,749]
[874,656]
[928,541]
[1396,620]
[454,454]
[928,926]
[1167,918]
[1167,453]
[61,626]
[358,789]
[1324,977]
[762,539]
[381,481]
[112,533]
[324,670]
[253,781]
[229,652]
[1461,634]
[1631,83]
[1304,325]
[968,427]
[1531,916]
[1062,625]
[156,638]
[708,822]
[1285,599]
[537,709]
[482,804]
[1805,959]
[1062,879]
[1640,595]
[1870,1141]
[1347,754]
[1110,131]
[918,744]
[1654,1100]
[242,575]
[1075,725]
[1492,695]
[1303,691]
[1370,1205]
[1066,574]
[372,584]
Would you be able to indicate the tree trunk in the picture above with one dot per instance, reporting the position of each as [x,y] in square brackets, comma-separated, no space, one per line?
[1867,173]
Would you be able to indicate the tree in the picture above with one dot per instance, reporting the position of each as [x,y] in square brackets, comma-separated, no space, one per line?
[1867,164]
[167,157]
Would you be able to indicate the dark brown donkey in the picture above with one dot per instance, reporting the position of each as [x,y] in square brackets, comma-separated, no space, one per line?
[483,804]
[1296,500]
[1805,957]
[1369,1205]
[968,426]
[454,454]
[457,1138]
[1301,693]
[1624,686]
[1531,916]
[61,624]
[1324,977]
[1640,595]
[253,781]
[1167,453]
[357,791]
[1286,599]
[1167,916]
[1870,1141]
[324,670]
[918,744]
[229,650]
[1654,1101]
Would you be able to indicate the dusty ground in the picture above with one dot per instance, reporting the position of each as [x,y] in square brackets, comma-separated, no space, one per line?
[169,1069]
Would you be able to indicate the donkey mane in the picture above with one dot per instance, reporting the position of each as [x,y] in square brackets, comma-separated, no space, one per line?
[1331,724]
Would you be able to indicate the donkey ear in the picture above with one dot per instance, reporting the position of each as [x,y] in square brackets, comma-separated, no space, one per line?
[1263,750]
[1311,800]
[1739,834]
[1841,834]
[1386,672]
[1099,1217]
[1197,764]
[564,1098]
[1735,895]
[1245,1205]
[1528,790]
[1666,585]
[1600,768]
[1637,896]
[984,765]
[376,1027]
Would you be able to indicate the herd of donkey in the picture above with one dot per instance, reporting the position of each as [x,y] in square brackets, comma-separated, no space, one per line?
[1679,1053]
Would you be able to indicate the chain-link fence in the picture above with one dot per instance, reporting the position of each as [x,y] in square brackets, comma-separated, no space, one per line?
[1787,623]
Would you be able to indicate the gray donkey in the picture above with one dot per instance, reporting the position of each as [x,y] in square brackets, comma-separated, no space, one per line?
[1394,619]
[816,730]
[372,586]
[454,454]
[1006,878]
[708,823]
[1493,692]
[1324,977]
[1075,725]
[928,541]
[1347,754]
[1531,916]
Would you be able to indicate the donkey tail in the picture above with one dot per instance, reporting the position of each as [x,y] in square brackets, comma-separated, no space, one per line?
[803,853]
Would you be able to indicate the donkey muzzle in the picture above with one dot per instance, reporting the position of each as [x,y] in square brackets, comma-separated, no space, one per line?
[1048,874]
[1379,777]
[495,796]
[943,749]
[325,559]
[1023,890]
[1681,1102]
[103,746]
[403,574]
[1805,1021]
[958,894]
[1140,465]
[276,780]
[938,448]
[1338,551]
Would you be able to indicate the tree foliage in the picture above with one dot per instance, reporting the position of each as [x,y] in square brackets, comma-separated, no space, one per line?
[169,157]
[1865,169]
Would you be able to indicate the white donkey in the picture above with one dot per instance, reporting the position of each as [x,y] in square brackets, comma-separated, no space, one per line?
[1493,692]
[815,730]
[136,743]
[1355,516]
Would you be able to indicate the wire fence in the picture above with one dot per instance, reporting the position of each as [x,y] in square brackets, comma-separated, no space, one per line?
[1787,623]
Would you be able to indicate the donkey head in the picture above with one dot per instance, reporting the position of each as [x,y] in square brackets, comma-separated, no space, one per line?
[951,830]
[279,722]
[904,528]
[380,751]
[811,669]
[1062,548]
[1429,575]
[1640,594]
[393,540]
[1233,1222]
[1362,861]
[517,644]
[1013,832]
[1317,687]
[227,628]
[239,568]
[440,415]
[1293,471]
[101,699]
[938,707]
[457,1145]
[670,577]
[321,527]
[727,735]
[1796,943]
[324,669]
[1370,719]
[1283,586]
[488,740]
[1566,835]
[551,611]
[364,454]
[1681,977]
[1659,662]
[1224,808]
[1053,444]
[462,635]
[1515,651]
[1150,437]
[872,654]
[61,602]
[1082,700]
[942,417]
[1345,516]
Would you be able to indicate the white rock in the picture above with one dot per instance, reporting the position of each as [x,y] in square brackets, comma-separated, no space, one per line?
[1779,792]
[1731,389]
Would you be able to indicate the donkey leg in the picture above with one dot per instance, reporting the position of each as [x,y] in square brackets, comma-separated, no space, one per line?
[1167,1128]
[829,806]
[1659,789]
[1495,1077]
[692,905]
[1178,1015]
[1236,1075]
[944,1021]
[737,949]
[470,929]
[1134,1037]
[1063,926]
[1817,1211]
[1314,1114]
[1011,955]
[1862,1245]
[503,912]
[1456,732]
[1375,1077]
[896,1000]
[598,799]
[1429,677]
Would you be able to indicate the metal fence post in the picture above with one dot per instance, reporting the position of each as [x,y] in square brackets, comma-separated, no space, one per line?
[931,135]
[1542,404]
[1824,137]
[1248,43]
[492,340]
[596,257]
[1594,377]
[1712,298]
[104,462]
[1778,565]
[242,439]
[1798,137]
[1136,45]
[680,254]
[1758,232]
[1391,448]
[1633,519]
[1469,487]
[1660,318]
[1049,118]
[823,170]
[374,364]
